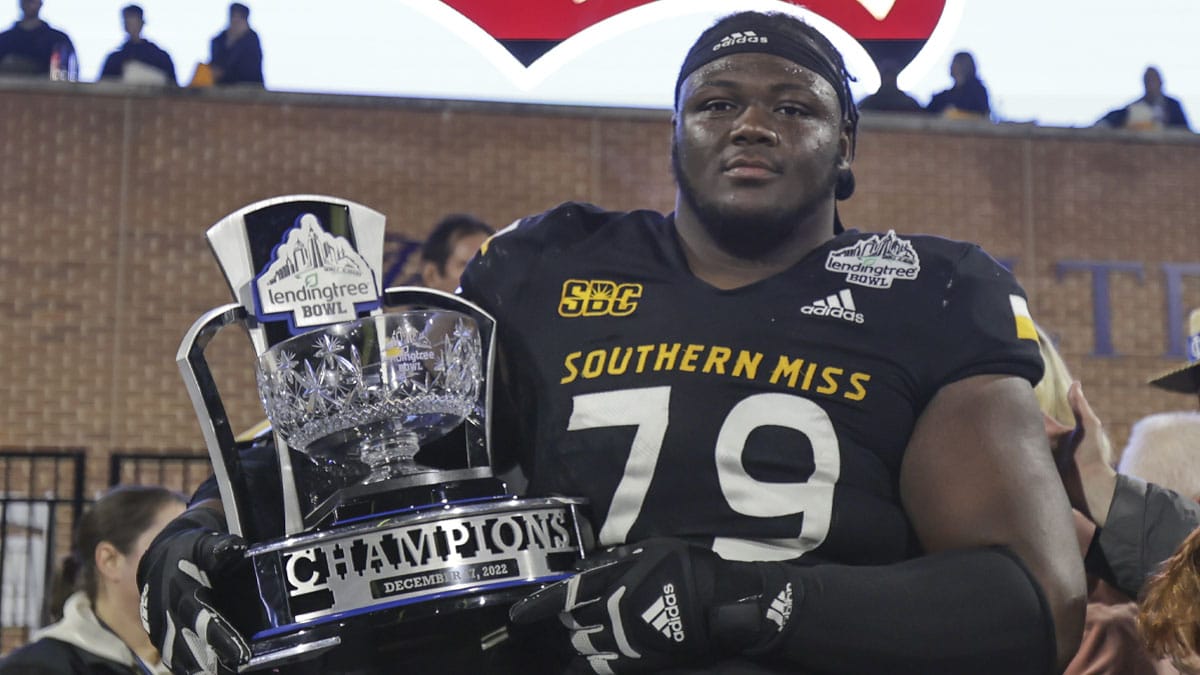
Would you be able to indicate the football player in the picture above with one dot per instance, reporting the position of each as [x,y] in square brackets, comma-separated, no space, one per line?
[806,449]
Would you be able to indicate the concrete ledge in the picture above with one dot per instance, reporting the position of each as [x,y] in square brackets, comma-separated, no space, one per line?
[870,121]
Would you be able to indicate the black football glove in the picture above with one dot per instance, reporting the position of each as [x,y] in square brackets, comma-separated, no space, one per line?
[175,577]
[663,603]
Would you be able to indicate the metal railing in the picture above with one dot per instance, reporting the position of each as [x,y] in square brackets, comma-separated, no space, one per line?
[42,496]
[182,471]
[42,499]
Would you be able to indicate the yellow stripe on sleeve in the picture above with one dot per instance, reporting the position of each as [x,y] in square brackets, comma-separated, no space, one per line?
[1024,322]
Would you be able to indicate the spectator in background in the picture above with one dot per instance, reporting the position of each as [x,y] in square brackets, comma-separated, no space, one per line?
[29,47]
[1110,644]
[1170,616]
[1140,524]
[968,98]
[138,60]
[1154,110]
[236,54]
[451,245]
[100,630]
[889,97]
[1185,380]
[1164,448]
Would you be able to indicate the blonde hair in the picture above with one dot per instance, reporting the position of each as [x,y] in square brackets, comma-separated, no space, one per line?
[1056,381]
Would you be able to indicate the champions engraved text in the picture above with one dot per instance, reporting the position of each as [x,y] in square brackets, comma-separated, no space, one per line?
[423,559]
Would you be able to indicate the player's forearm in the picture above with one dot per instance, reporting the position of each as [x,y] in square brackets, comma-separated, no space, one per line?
[971,611]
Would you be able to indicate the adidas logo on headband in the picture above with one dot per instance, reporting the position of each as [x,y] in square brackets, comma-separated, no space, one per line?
[739,39]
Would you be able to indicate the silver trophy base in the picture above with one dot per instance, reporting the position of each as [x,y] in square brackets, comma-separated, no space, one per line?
[433,560]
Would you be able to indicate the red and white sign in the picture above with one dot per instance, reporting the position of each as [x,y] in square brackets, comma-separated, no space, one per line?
[557,20]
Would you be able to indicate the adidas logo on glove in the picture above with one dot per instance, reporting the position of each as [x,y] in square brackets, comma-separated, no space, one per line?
[663,615]
[781,607]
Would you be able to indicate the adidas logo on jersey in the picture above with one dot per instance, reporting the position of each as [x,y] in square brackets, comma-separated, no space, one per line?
[781,607]
[740,39]
[838,306]
[663,615]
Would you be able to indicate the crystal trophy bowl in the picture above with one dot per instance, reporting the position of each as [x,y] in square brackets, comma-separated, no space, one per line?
[372,391]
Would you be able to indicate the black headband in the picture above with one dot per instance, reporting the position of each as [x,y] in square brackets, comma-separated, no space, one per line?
[753,33]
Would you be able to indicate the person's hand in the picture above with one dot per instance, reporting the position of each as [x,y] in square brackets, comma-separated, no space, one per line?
[659,603]
[1084,458]
[175,577]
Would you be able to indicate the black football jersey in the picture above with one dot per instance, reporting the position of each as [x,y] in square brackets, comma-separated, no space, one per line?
[769,421]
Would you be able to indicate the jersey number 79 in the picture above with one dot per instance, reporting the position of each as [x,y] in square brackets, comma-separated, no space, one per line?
[648,410]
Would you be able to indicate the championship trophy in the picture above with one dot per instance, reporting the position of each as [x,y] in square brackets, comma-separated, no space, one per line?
[379,404]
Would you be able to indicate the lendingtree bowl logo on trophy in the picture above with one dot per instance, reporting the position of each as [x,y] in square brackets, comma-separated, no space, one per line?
[315,278]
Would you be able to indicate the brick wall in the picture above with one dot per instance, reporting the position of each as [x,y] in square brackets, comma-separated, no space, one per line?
[105,194]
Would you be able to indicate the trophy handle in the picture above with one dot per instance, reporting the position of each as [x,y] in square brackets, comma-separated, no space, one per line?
[417,295]
[210,411]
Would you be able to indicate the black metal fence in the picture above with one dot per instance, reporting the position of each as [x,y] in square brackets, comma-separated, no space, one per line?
[43,495]
[42,499]
[180,471]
